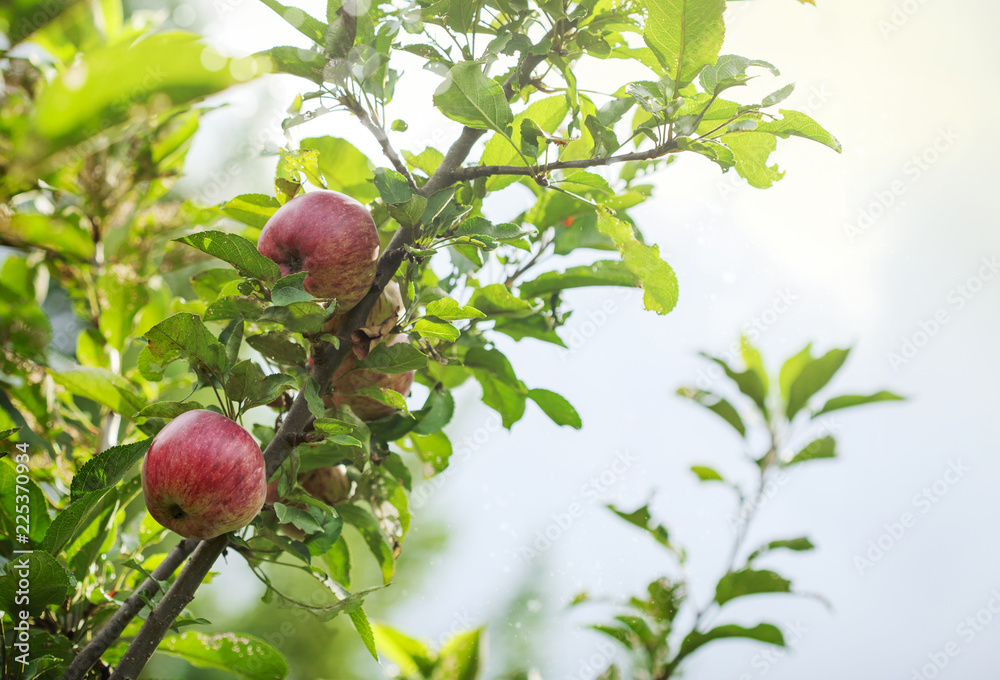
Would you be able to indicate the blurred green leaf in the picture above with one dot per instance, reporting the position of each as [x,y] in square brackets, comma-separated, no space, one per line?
[763,632]
[717,405]
[847,401]
[825,447]
[556,407]
[813,377]
[242,655]
[749,582]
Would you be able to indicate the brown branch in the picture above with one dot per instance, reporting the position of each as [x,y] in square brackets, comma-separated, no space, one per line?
[539,171]
[111,631]
[169,608]
[355,107]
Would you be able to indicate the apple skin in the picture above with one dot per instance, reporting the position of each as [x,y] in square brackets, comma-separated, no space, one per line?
[347,380]
[331,236]
[203,476]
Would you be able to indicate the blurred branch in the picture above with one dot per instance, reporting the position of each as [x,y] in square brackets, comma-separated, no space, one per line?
[112,630]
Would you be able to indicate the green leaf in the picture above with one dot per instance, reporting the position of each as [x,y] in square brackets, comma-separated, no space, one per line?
[167,409]
[794,123]
[233,307]
[749,383]
[546,114]
[428,328]
[656,276]
[412,656]
[751,150]
[685,35]
[469,97]
[706,474]
[600,273]
[313,398]
[847,401]
[779,96]
[791,368]
[460,657]
[763,632]
[107,468]
[496,300]
[556,407]
[344,168]
[100,385]
[434,450]
[74,520]
[360,621]
[749,582]
[290,289]
[730,70]
[279,348]
[369,528]
[299,317]
[392,186]
[716,405]
[296,61]
[401,357]
[338,562]
[448,309]
[242,655]
[9,432]
[506,232]
[87,99]
[185,335]
[252,209]
[10,491]
[643,519]
[235,250]
[825,447]
[538,327]
[384,395]
[310,27]
[813,377]
[797,544]
[49,581]
[436,412]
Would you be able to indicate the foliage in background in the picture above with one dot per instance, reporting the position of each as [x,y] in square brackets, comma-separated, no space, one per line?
[96,116]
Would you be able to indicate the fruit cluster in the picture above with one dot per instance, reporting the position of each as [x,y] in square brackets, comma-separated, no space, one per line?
[204,475]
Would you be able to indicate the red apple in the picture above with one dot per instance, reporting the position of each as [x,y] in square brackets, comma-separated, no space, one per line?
[349,379]
[329,235]
[203,475]
[329,484]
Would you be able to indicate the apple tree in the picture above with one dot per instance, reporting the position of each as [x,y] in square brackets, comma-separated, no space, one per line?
[127,307]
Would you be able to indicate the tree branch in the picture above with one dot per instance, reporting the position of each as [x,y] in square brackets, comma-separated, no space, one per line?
[463,174]
[169,608]
[355,107]
[112,630]
[444,176]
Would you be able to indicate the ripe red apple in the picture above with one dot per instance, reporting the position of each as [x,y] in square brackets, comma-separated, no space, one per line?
[331,236]
[203,475]
[329,484]
[349,379]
